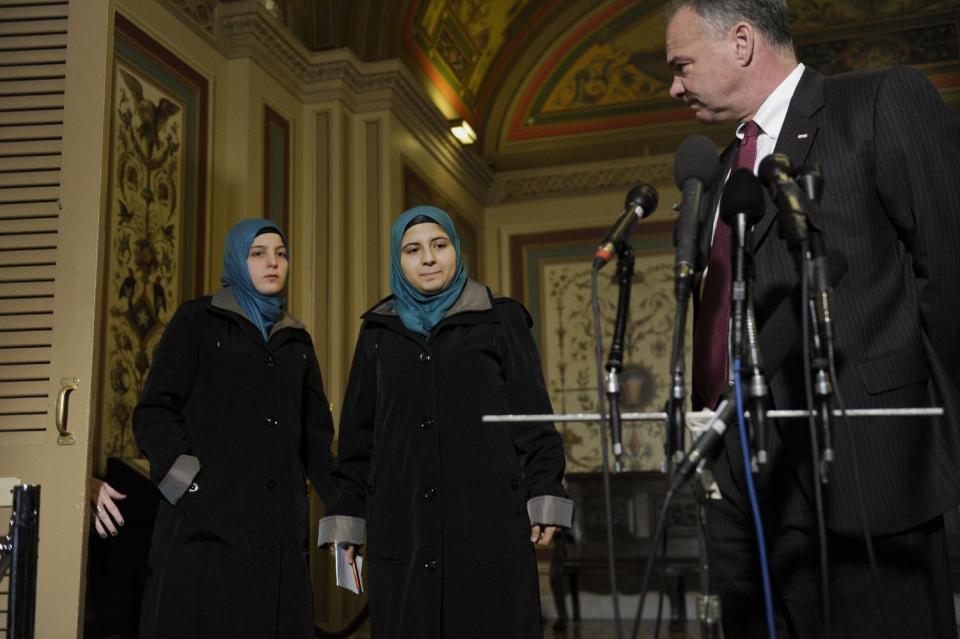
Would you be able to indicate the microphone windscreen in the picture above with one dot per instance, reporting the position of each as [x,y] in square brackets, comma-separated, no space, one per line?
[644,196]
[743,193]
[774,167]
[696,158]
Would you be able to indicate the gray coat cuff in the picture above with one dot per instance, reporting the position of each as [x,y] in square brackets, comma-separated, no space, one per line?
[178,479]
[550,510]
[342,528]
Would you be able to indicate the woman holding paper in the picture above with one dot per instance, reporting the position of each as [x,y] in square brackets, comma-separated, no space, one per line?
[233,420]
[449,507]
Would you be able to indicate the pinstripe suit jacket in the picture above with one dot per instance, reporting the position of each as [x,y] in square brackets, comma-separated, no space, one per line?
[890,154]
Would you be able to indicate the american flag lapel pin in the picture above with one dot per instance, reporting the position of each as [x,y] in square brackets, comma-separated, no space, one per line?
[801,136]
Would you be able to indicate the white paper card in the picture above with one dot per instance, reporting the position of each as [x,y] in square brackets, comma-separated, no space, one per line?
[348,576]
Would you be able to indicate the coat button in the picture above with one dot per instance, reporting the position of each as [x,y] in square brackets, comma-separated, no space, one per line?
[514,483]
[270,360]
[425,358]
[431,564]
[427,423]
[370,490]
[271,484]
[430,493]
[267,547]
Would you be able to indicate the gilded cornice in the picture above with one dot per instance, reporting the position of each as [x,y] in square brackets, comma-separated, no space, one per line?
[580,179]
[245,29]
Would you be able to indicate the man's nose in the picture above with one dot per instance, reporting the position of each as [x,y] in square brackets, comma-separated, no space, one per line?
[676,89]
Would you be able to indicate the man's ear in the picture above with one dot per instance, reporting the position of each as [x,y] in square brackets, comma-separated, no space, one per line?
[744,38]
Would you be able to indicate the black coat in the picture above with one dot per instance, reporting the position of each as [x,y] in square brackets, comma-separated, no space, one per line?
[890,155]
[444,495]
[230,559]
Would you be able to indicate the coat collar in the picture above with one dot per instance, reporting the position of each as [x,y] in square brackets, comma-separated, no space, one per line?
[796,137]
[470,308]
[473,298]
[224,300]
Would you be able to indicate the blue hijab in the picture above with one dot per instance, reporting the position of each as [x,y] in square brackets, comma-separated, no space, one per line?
[419,311]
[263,310]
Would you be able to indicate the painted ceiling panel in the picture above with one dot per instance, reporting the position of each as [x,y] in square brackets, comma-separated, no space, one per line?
[457,41]
[607,72]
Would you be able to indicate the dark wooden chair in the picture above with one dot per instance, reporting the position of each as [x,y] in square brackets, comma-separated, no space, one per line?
[117,566]
[579,560]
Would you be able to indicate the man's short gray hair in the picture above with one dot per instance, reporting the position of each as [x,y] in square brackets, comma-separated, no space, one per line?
[770,17]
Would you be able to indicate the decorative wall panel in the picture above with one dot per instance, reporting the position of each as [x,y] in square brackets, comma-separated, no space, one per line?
[156,217]
[550,272]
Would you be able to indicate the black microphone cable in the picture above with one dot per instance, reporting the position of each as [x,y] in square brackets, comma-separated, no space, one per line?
[775,171]
[815,452]
[810,178]
[605,468]
[648,568]
[858,486]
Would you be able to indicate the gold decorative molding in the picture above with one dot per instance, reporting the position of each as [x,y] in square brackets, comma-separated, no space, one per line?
[589,178]
[198,14]
[244,28]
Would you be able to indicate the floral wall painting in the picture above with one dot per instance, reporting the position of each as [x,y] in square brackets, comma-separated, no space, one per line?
[156,212]
[276,168]
[550,272]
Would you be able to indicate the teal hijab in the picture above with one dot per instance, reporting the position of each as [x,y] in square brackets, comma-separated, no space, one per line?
[262,310]
[420,311]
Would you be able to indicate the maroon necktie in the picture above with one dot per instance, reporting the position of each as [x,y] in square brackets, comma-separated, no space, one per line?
[711,365]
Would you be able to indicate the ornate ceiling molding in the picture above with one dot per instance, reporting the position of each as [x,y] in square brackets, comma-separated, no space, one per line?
[580,179]
[198,14]
[244,28]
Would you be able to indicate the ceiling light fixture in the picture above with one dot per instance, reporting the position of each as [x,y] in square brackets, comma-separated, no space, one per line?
[462,130]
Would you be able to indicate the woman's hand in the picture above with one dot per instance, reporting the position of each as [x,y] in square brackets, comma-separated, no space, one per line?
[542,535]
[106,513]
[349,550]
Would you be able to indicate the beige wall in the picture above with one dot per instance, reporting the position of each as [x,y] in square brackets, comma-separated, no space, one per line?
[348,153]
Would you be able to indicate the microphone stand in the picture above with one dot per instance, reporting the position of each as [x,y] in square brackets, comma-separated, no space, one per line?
[674,440]
[708,604]
[810,180]
[797,224]
[614,365]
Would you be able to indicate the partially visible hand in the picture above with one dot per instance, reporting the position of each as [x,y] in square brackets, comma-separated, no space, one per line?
[349,551]
[105,511]
[542,536]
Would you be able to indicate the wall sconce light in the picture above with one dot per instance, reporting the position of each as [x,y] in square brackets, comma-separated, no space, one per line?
[462,130]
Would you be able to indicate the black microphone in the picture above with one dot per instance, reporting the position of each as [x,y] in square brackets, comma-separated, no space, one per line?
[693,169]
[776,172]
[640,203]
[706,443]
[741,206]
[810,178]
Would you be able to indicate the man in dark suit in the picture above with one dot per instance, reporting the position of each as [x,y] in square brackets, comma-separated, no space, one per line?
[890,155]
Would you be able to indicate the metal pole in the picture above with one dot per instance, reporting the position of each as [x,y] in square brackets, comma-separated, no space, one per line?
[935,411]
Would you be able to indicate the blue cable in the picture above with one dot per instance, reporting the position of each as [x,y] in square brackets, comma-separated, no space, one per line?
[754,505]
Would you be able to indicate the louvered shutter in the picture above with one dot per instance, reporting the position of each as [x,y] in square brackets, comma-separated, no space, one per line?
[33,42]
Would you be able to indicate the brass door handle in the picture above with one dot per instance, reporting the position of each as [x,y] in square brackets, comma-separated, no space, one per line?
[67,384]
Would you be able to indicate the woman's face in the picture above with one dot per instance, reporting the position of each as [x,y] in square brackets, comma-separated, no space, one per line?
[267,263]
[427,257]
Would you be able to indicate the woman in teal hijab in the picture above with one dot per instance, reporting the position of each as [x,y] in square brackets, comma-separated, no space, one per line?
[422,302]
[233,420]
[263,309]
[450,508]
